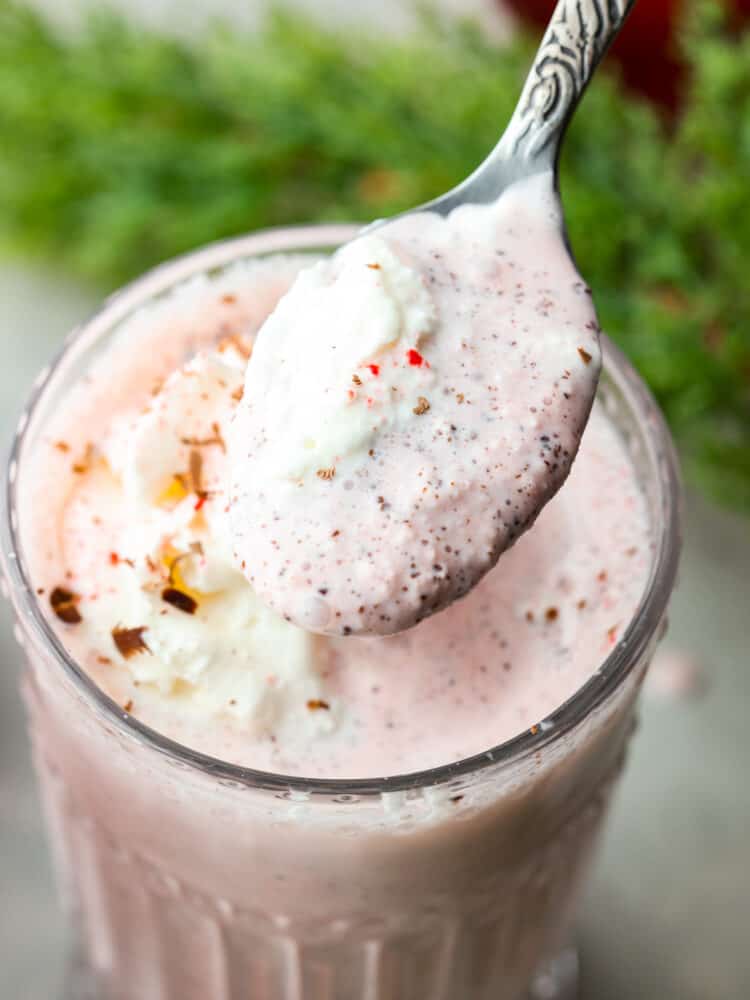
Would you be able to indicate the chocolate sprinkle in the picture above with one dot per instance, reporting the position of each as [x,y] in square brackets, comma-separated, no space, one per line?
[314,704]
[196,471]
[129,641]
[180,600]
[64,604]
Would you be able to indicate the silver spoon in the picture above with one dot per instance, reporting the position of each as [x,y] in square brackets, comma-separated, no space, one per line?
[577,37]
[403,525]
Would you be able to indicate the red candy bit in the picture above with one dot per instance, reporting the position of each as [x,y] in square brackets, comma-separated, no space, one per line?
[375,369]
[414,358]
[114,558]
[199,502]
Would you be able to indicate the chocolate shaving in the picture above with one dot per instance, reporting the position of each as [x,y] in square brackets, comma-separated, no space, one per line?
[217,439]
[374,267]
[316,704]
[326,473]
[356,380]
[128,706]
[422,406]
[180,600]
[585,356]
[238,393]
[130,641]
[64,604]
[62,446]
[195,469]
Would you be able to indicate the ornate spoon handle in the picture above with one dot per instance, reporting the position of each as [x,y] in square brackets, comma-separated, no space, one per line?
[577,37]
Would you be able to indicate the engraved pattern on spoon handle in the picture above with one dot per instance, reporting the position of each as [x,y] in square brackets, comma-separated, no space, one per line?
[577,37]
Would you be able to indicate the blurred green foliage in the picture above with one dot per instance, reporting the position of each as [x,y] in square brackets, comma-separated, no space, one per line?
[120,147]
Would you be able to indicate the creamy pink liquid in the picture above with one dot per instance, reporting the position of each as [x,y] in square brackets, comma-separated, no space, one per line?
[491,665]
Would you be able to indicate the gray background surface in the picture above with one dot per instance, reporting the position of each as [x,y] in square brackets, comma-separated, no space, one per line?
[667,915]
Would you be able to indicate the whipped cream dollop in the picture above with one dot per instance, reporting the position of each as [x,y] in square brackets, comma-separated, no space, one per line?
[410,406]
[332,370]
[167,601]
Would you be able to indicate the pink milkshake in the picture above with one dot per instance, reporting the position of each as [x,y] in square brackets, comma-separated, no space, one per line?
[239,805]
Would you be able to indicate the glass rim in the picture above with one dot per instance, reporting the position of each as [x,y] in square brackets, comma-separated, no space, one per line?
[612,672]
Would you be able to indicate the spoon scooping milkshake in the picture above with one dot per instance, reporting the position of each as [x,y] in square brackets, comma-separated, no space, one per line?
[414,402]
[410,406]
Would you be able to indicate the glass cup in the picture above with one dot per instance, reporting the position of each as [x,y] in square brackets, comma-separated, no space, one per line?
[189,878]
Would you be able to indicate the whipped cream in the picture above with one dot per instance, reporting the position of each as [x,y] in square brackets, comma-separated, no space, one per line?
[409,408]
[332,368]
[161,595]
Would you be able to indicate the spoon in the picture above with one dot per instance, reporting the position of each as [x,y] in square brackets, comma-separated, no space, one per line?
[415,400]
[577,37]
